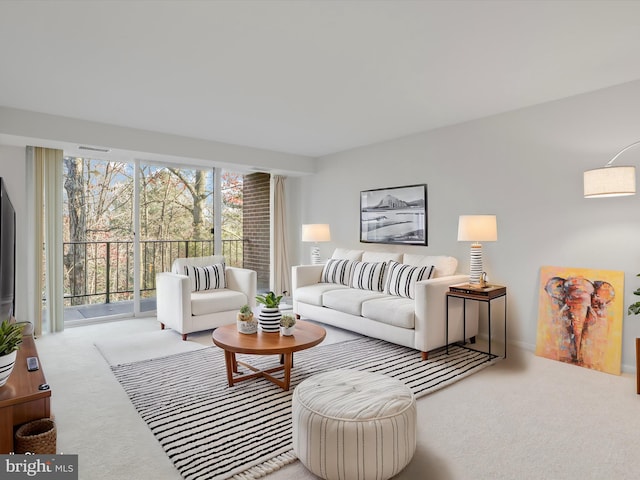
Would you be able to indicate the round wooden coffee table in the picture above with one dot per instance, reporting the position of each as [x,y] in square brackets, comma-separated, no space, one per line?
[227,337]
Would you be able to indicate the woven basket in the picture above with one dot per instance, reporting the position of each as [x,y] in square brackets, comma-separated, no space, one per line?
[37,437]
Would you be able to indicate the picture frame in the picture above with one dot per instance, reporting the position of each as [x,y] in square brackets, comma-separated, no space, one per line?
[394,215]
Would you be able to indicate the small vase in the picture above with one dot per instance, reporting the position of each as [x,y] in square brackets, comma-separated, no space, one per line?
[6,366]
[286,331]
[247,326]
[269,319]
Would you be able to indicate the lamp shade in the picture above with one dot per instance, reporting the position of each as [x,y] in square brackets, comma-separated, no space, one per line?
[316,232]
[610,182]
[477,228]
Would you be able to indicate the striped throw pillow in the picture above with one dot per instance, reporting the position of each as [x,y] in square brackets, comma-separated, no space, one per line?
[210,277]
[337,271]
[401,279]
[368,275]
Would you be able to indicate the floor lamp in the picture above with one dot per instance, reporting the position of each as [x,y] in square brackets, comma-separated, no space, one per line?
[316,232]
[476,229]
[611,180]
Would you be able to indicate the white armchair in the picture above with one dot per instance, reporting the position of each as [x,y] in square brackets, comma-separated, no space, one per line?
[186,311]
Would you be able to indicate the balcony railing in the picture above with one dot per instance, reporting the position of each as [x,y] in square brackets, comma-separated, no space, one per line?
[102,272]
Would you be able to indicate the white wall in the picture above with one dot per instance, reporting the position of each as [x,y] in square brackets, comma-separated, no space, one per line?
[13,171]
[524,166]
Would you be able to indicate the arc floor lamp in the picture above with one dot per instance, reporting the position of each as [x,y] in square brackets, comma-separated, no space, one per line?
[610,180]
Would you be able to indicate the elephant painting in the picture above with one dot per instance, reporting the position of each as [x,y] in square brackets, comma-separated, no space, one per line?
[576,326]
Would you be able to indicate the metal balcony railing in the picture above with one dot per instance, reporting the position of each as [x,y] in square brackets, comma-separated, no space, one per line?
[102,272]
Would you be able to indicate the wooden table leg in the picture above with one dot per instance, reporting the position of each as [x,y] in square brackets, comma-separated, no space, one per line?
[288,363]
[230,362]
[234,362]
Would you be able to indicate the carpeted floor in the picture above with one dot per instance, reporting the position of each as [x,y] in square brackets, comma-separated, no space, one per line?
[210,430]
[526,417]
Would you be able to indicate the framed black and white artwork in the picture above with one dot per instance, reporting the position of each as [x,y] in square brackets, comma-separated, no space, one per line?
[396,215]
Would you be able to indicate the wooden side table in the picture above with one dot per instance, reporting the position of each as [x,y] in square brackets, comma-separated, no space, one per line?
[479,294]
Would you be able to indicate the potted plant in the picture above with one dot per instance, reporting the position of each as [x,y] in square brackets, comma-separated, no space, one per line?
[246,323]
[287,324]
[269,317]
[634,308]
[10,340]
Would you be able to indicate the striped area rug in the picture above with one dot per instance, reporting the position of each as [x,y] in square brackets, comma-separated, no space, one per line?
[211,431]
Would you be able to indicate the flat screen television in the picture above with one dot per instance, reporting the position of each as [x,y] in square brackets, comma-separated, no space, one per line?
[7,254]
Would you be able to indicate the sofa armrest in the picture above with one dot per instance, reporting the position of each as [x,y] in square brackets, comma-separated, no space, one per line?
[430,311]
[303,275]
[173,299]
[243,280]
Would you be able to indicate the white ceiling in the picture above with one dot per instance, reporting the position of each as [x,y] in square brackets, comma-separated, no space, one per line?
[308,77]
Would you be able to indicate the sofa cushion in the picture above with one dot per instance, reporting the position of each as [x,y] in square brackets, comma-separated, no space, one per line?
[381,257]
[312,294]
[214,301]
[368,275]
[444,266]
[396,311]
[210,277]
[346,254]
[337,271]
[348,300]
[401,279]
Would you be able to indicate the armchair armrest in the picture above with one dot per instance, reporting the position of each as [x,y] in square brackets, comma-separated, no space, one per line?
[243,280]
[430,313]
[173,299]
[303,275]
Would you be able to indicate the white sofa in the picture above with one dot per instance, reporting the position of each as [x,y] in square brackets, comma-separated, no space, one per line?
[417,322]
[187,306]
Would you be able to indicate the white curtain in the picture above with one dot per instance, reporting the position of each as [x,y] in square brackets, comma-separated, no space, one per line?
[280,265]
[44,187]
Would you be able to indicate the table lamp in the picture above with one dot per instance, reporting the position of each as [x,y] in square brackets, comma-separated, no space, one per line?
[476,229]
[316,232]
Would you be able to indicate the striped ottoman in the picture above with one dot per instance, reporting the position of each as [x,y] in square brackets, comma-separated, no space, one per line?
[354,425]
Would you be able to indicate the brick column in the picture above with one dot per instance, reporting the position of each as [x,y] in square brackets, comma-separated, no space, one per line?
[256,224]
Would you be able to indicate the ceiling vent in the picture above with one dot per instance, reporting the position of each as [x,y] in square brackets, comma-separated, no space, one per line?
[94,149]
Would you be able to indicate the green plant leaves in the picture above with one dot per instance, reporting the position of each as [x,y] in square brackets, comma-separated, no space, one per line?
[10,337]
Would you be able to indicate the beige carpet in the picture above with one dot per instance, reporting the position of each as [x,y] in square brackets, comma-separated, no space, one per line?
[523,418]
[120,349]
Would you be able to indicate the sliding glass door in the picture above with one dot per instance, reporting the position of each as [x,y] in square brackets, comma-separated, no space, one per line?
[176,219]
[108,269]
[97,238]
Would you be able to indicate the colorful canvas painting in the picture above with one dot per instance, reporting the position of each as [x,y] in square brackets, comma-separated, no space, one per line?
[580,317]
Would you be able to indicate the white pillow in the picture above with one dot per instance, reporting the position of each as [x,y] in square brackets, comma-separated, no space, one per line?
[337,271]
[368,276]
[401,279]
[210,277]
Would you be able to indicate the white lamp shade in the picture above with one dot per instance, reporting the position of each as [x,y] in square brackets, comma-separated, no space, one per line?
[477,228]
[610,182]
[316,232]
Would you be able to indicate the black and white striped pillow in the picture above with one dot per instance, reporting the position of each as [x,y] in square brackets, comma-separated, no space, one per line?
[210,277]
[401,279]
[368,275]
[337,271]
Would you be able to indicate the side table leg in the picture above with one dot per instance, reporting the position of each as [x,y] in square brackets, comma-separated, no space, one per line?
[638,366]
[446,326]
